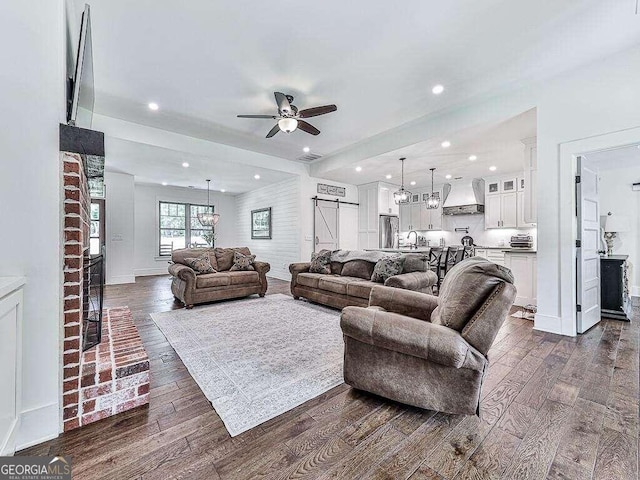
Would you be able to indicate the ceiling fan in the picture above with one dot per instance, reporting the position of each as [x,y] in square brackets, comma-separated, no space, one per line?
[289,118]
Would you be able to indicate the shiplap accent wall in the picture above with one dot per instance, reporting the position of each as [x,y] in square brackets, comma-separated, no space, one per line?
[284,246]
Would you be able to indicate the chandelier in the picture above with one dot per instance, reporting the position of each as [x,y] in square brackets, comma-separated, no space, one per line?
[208,218]
[402,195]
[432,200]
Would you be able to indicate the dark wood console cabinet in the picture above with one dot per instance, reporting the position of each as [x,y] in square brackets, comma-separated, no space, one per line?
[614,289]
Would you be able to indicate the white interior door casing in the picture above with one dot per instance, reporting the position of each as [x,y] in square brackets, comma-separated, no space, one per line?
[326,226]
[588,257]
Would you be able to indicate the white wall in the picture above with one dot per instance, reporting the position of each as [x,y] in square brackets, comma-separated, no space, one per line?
[32,85]
[284,246]
[591,101]
[146,260]
[617,197]
[292,216]
[119,228]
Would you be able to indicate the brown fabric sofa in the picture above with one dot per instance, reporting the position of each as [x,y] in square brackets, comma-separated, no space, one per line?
[427,351]
[191,288]
[349,283]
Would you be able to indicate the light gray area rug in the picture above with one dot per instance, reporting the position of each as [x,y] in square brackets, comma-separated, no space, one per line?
[259,357]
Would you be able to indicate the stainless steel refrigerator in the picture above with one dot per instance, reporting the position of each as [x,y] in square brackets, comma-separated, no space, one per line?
[389,229]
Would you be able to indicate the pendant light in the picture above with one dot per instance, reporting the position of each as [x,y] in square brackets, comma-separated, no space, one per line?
[208,218]
[432,199]
[402,195]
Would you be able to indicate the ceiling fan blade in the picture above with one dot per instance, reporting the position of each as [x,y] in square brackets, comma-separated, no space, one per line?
[315,111]
[307,127]
[273,131]
[283,103]
[257,116]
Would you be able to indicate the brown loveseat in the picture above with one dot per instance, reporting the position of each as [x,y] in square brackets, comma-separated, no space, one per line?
[191,288]
[350,282]
[427,351]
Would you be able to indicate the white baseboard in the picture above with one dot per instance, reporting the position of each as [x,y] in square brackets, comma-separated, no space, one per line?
[635,291]
[548,323]
[38,425]
[148,272]
[120,279]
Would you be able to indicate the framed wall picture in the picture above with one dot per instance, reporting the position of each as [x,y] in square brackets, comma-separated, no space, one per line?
[261,223]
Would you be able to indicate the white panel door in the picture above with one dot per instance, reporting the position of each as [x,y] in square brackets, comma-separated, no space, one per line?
[509,210]
[588,258]
[326,226]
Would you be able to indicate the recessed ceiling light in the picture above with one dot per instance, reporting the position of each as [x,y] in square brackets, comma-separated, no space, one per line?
[388,177]
[447,176]
[473,158]
[164,183]
[413,182]
[222,190]
[306,149]
[153,106]
[256,176]
[358,169]
[445,144]
[493,168]
[185,164]
[437,89]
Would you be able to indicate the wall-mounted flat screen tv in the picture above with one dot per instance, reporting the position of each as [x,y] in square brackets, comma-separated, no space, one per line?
[80,108]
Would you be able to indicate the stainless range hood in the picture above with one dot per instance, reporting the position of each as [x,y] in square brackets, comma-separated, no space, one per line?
[465,198]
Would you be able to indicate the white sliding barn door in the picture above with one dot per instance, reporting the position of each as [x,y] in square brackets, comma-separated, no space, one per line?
[326,221]
[588,257]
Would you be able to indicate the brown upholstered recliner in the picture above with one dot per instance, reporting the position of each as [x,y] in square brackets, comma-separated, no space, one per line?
[191,288]
[427,351]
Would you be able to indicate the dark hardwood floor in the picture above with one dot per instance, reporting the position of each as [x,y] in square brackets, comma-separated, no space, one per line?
[553,407]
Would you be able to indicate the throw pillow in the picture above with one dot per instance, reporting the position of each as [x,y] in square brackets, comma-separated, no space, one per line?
[201,264]
[414,262]
[358,268]
[387,267]
[242,262]
[321,262]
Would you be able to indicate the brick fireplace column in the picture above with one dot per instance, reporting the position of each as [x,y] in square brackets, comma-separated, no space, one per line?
[113,376]
[76,246]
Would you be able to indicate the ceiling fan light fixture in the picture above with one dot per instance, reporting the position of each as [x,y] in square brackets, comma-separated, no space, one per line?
[288,125]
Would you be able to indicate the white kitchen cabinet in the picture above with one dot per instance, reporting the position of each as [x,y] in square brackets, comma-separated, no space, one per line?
[501,210]
[405,217]
[368,222]
[493,255]
[496,256]
[522,223]
[11,305]
[509,210]
[416,216]
[386,202]
[492,211]
[530,211]
[508,185]
[523,266]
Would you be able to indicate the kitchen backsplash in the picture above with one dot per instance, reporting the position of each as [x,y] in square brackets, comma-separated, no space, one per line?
[490,238]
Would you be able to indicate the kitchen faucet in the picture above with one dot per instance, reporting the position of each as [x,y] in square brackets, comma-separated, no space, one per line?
[414,245]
